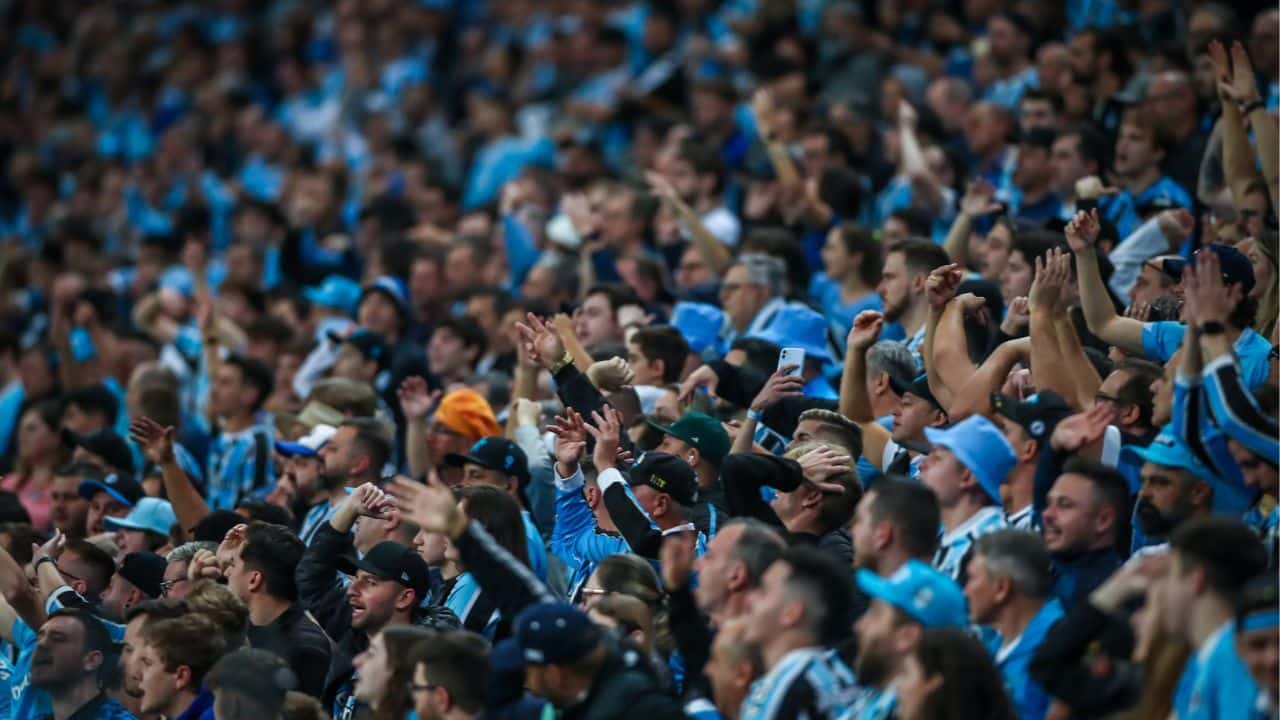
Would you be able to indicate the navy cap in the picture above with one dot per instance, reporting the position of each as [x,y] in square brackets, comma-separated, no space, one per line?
[369,343]
[1038,415]
[145,571]
[550,633]
[495,453]
[391,561]
[1236,268]
[121,487]
[393,288]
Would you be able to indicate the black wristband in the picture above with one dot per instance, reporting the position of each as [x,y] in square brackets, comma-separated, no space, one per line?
[1248,108]
[1213,327]
[43,560]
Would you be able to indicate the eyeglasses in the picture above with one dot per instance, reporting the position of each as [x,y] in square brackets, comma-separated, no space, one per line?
[64,573]
[166,586]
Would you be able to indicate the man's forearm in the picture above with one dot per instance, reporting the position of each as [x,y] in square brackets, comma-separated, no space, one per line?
[951,352]
[417,455]
[188,506]
[957,242]
[1099,314]
[854,403]
[974,397]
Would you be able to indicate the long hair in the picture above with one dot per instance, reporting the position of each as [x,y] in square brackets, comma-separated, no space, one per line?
[1269,301]
[972,688]
[499,514]
[400,641]
[632,575]
[50,412]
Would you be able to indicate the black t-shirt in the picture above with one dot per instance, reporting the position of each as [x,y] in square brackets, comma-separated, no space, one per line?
[299,640]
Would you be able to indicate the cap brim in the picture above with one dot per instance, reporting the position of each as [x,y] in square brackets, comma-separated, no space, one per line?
[874,586]
[664,429]
[110,523]
[460,459]
[350,564]
[291,449]
[89,488]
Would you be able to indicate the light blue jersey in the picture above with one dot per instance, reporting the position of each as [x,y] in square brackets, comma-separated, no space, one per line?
[955,547]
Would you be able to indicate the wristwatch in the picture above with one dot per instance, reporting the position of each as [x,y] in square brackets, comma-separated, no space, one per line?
[1213,327]
[565,360]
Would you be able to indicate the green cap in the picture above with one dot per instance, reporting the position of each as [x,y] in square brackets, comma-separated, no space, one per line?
[700,431]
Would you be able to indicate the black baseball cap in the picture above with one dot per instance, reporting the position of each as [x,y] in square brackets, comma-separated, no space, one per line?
[666,473]
[145,571]
[495,453]
[120,486]
[370,344]
[391,561]
[550,633]
[106,444]
[1038,415]
[919,386]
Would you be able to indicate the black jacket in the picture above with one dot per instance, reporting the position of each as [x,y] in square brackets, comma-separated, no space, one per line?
[740,386]
[1062,667]
[299,641]
[323,594]
[625,689]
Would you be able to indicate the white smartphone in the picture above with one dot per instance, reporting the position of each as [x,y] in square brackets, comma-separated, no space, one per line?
[793,356]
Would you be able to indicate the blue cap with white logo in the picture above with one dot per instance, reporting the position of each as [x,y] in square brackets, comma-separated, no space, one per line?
[917,589]
[1168,450]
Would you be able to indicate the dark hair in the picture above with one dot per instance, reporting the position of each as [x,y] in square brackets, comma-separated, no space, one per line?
[262,511]
[631,575]
[96,636]
[617,295]
[1109,488]
[972,687]
[256,373]
[665,343]
[1260,593]
[762,355]
[1228,550]
[99,560]
[191,639]
[859,241]
[1090,144]
[94,399]
[840,187]
[912,508]
[254,297]
[256,681]
[705,160]
[458,661]
[467,330]
[270,328]
[499,514]
[920,256]
[1050,96]
[14,513]
[372,440]
[1034,244]
[161,402]
[825,583]
[401,641]
[1137,391]
[275,552]
[917,220]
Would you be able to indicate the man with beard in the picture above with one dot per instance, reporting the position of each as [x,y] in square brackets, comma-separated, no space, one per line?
[902,287]
[1175,487]
[896,521]
[913,598]
[138,617]
[68,511]
[139,577]
[1084,527]
[800,610]
[72,649]
[303,473]
[388,582]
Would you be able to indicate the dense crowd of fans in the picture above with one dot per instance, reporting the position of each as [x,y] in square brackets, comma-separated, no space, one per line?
[587,359]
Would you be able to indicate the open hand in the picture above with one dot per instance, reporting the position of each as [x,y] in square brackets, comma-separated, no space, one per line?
[416,402]
[779,385]
[703,377]
[1082,231]
[606,428]
[1076,431]
[541,342]
[942,285]
[571,438]
[431,507]
[821,463]
[865,331]
[155,440]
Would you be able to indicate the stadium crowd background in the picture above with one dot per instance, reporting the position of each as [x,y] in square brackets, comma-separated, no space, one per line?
[638,359]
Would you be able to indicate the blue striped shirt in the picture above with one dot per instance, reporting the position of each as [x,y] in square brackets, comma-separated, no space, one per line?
[240,466]
[807,683]
[955,547]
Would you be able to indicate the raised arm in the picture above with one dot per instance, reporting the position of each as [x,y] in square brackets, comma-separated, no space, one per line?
[1238,89]
[978,201]
[1047,355]
[781,384]
[940,289]
[912,162]
[951,347]
[156,443]
[19,594]
[1099,314]
[975,396]
[709,246]
[416,404]
[854,403]
[146,316]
